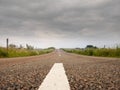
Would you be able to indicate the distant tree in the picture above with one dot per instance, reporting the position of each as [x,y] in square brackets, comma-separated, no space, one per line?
[90,46]
[12,46]
[29,47]
[20,47]
[51,48]
[95,47]
[77,48]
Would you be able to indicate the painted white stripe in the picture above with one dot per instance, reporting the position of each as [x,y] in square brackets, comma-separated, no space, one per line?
[59,53]
[56,79]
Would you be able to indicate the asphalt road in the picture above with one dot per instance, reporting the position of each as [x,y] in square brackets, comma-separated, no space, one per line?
[83,72]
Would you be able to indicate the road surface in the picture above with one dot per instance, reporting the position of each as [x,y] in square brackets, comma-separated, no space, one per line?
[83,72]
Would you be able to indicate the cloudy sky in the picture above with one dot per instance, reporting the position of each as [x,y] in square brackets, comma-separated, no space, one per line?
[60,23]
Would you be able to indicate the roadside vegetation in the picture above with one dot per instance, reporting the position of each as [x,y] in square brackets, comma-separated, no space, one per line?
[94,51]
[14,51]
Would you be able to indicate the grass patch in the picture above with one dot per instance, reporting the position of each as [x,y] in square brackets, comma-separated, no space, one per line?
[15,52]
[104,52]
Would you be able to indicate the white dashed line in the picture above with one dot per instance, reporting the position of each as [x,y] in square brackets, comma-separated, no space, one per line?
[59,54]
[56,79]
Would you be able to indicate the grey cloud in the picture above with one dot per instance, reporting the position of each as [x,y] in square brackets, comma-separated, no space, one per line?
[91,20]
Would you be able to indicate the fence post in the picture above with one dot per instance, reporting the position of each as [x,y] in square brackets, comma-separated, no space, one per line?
[7,43]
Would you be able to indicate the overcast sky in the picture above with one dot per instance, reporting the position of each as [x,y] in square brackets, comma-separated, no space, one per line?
[60,23]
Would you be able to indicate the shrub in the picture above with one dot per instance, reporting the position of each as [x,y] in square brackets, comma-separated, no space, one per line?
[15,52]
[3,53]
[105,52]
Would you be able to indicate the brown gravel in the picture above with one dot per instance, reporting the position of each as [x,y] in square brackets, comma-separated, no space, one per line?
[92,73]
[24,73]
[84,72]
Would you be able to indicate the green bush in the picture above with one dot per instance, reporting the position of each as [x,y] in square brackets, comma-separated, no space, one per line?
[105,52]
[3,53]
[15,52]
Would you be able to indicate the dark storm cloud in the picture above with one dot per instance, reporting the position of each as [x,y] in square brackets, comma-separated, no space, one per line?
[86,19]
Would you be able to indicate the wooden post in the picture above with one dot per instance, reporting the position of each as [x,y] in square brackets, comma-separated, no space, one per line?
[7,43]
